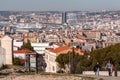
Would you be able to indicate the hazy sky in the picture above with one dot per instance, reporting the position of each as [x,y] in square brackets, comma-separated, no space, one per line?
[59,5]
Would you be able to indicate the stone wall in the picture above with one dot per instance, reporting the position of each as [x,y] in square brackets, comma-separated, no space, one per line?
[102,73]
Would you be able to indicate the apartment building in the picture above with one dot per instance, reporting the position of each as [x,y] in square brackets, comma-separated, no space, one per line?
[51,54]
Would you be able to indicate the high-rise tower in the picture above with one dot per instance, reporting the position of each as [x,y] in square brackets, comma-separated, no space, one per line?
[64,17]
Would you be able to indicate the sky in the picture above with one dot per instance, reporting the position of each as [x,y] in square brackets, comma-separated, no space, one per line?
[59,5]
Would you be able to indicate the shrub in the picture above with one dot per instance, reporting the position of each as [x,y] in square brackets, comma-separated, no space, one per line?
[16,61]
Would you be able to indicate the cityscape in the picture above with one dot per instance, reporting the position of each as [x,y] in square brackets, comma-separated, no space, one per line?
[59,42]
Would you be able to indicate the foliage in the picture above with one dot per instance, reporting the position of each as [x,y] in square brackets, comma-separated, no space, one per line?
[103,55]
[27,46]
[16,61]
[62,60]
[70,59]
[84,63]
[79,63]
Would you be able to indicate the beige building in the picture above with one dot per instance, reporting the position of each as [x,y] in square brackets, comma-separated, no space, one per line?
[7,44]
[2,56]
[94,34]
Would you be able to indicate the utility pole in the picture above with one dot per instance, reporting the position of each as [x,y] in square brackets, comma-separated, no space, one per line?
[29,62]
[37,63]
[69,63]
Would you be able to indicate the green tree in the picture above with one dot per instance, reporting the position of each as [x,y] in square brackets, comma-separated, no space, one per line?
[84,63]
[79,63]
[62,59]
[17,61]
[27,46]
[105,54]
[71,59]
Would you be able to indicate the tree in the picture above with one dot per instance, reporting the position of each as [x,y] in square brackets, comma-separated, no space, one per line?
[84,63]
[71,59]
[62,59]
[103,55]
[17,61]
[27,46]
[78,63]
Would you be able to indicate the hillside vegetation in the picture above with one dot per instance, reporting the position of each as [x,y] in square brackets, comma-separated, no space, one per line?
[103,55]
[87,61]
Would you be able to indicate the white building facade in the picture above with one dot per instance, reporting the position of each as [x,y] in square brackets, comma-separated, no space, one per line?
[51,63]
[7,44]
[40,47]
[17,43]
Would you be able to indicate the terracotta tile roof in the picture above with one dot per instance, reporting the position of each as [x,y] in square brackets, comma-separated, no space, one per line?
[23,51]
[60,49]
[65,48]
